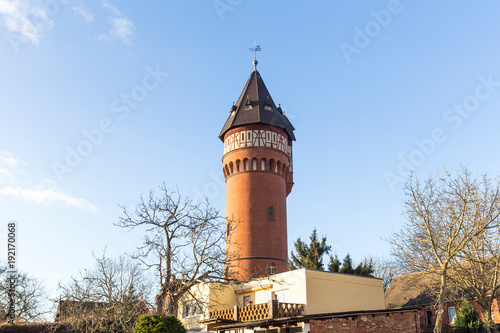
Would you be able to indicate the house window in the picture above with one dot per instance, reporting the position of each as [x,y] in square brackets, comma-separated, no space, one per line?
[191,309]
[243,137]
[246,299]
[428,317]
[451,314]
[272,269]
[271,165]
[270,213]
[228,230]
[281,296]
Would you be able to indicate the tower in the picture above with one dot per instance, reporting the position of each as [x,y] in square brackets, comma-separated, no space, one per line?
[257,166]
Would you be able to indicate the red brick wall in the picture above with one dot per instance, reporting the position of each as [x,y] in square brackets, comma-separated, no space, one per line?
[446,319]
[249,195]
[406,322]
[495,311]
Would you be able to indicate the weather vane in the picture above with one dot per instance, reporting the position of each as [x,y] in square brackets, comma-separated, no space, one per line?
[255,49]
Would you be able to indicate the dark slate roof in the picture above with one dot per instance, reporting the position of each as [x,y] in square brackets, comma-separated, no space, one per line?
[256,106]
[416,289]
[67,308]
[409,290]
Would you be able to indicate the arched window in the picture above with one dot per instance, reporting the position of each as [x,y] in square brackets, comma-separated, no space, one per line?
[278,167]
[270,213]
[246,164]
[271,165]
[231,167]
[263,164]
[238,165]
[254,164]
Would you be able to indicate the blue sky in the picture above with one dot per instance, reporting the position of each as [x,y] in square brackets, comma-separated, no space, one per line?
[140,91]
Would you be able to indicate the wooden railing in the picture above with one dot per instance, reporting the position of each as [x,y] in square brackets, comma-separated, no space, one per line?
[227,314]
[253,312]
[272,309]
[286,310]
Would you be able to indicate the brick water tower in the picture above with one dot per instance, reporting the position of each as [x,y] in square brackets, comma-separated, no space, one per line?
[257,166]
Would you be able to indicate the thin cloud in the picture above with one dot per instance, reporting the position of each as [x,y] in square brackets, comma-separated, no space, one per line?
[25,19]
[81,11]
[7,173]
[8,161]
[48,196]
[112,8]
[45,193]
[122,28]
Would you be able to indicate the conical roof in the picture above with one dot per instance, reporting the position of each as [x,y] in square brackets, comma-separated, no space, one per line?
[256,106]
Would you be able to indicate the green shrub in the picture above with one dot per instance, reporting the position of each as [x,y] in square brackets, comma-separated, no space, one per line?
[467,317]
[159,324]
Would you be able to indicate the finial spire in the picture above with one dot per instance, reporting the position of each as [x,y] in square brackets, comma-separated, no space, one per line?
[255,48]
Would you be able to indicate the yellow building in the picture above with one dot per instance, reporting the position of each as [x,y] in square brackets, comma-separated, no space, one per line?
[288,294]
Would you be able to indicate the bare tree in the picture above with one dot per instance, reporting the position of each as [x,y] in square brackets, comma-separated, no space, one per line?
[443,215]
[184,242]
[384,269]
[112,294]
[30,299]
[477,271]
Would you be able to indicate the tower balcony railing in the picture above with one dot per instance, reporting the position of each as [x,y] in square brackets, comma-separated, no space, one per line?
[271,310]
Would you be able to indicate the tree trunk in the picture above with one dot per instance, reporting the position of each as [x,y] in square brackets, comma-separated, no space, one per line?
[440,308]
[159,304]
[170,306]
[487,318]
[160,300]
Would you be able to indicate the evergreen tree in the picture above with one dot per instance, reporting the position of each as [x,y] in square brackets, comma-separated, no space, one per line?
[365,268]
[467,317]
[159,324]
[309,256]
[347,265]
[334,264]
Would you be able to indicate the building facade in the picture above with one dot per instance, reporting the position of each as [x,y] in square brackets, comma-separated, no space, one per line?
[272,299]
[420,291]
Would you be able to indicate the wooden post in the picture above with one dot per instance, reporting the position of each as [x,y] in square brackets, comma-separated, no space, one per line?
[235,313]
[273,309]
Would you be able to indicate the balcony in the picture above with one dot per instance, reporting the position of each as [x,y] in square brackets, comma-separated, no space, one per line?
[271,310]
